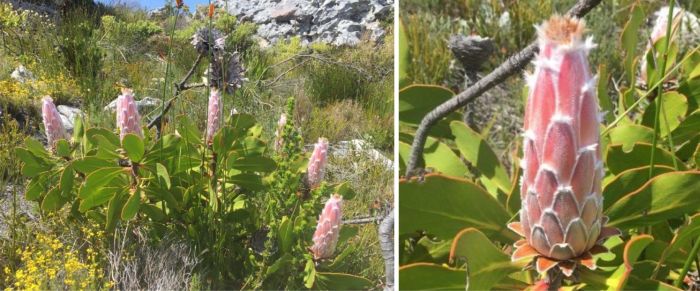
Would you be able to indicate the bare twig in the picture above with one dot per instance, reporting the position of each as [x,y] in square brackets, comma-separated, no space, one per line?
[365,219]
[179,88]
[510,67]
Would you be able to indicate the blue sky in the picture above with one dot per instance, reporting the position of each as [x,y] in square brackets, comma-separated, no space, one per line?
[151,4]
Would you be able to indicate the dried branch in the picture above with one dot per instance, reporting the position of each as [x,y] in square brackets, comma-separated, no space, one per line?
[510,67]
[179,88]
[386,242]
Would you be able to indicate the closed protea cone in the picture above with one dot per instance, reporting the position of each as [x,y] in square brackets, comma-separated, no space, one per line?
[561,216]
[317,163]
[328,228]
[52,121]
[213,114]
[279,142]
[128,117]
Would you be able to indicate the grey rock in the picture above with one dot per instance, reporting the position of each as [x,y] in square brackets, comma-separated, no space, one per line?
[353,147]
[68,115]
[337,22]
[22,75]
[143,105]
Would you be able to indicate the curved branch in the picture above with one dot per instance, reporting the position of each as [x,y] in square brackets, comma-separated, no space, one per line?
[179,87]
[510,67]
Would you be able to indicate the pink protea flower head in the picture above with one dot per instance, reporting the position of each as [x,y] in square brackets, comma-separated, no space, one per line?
[328,228]
[52,121]
[128,117]
[278,133]
[213,114]
[561,215]
[317,163]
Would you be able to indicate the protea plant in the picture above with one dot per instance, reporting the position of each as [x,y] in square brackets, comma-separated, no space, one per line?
[328,228]
[561,216]
[317,163]
[52,121]
[128,117]
[213,114]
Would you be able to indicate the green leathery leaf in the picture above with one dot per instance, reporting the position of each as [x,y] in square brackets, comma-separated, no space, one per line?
[603,98]
[162,174]
[36,148]
[109,136]
[63,148]
[132,205]
[437,156]
[53,200]
[442,206]
[665,196]
[98,197]
[629,37]
[488,265]
[633,249]
[98,179]
[427,276]
[105,148]
[89,164]
[134,147]
[253,164]
[35,188]
[310,274]
[478,152]
[629,134]
[618,160]
[67,180]
[628,181]
[415,101]
[674,108]
[683,237]
[116,203]
[687,129]
[286,234]
[340,281]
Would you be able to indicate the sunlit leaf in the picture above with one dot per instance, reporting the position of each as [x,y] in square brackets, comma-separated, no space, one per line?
[487,264]
[443,206]
[427,276]
[663,197]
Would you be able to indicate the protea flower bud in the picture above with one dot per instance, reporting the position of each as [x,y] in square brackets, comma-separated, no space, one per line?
[213,114]
[317,163]
[328,228]
[278,133]
[561,216]
[128,117]
[52,121]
